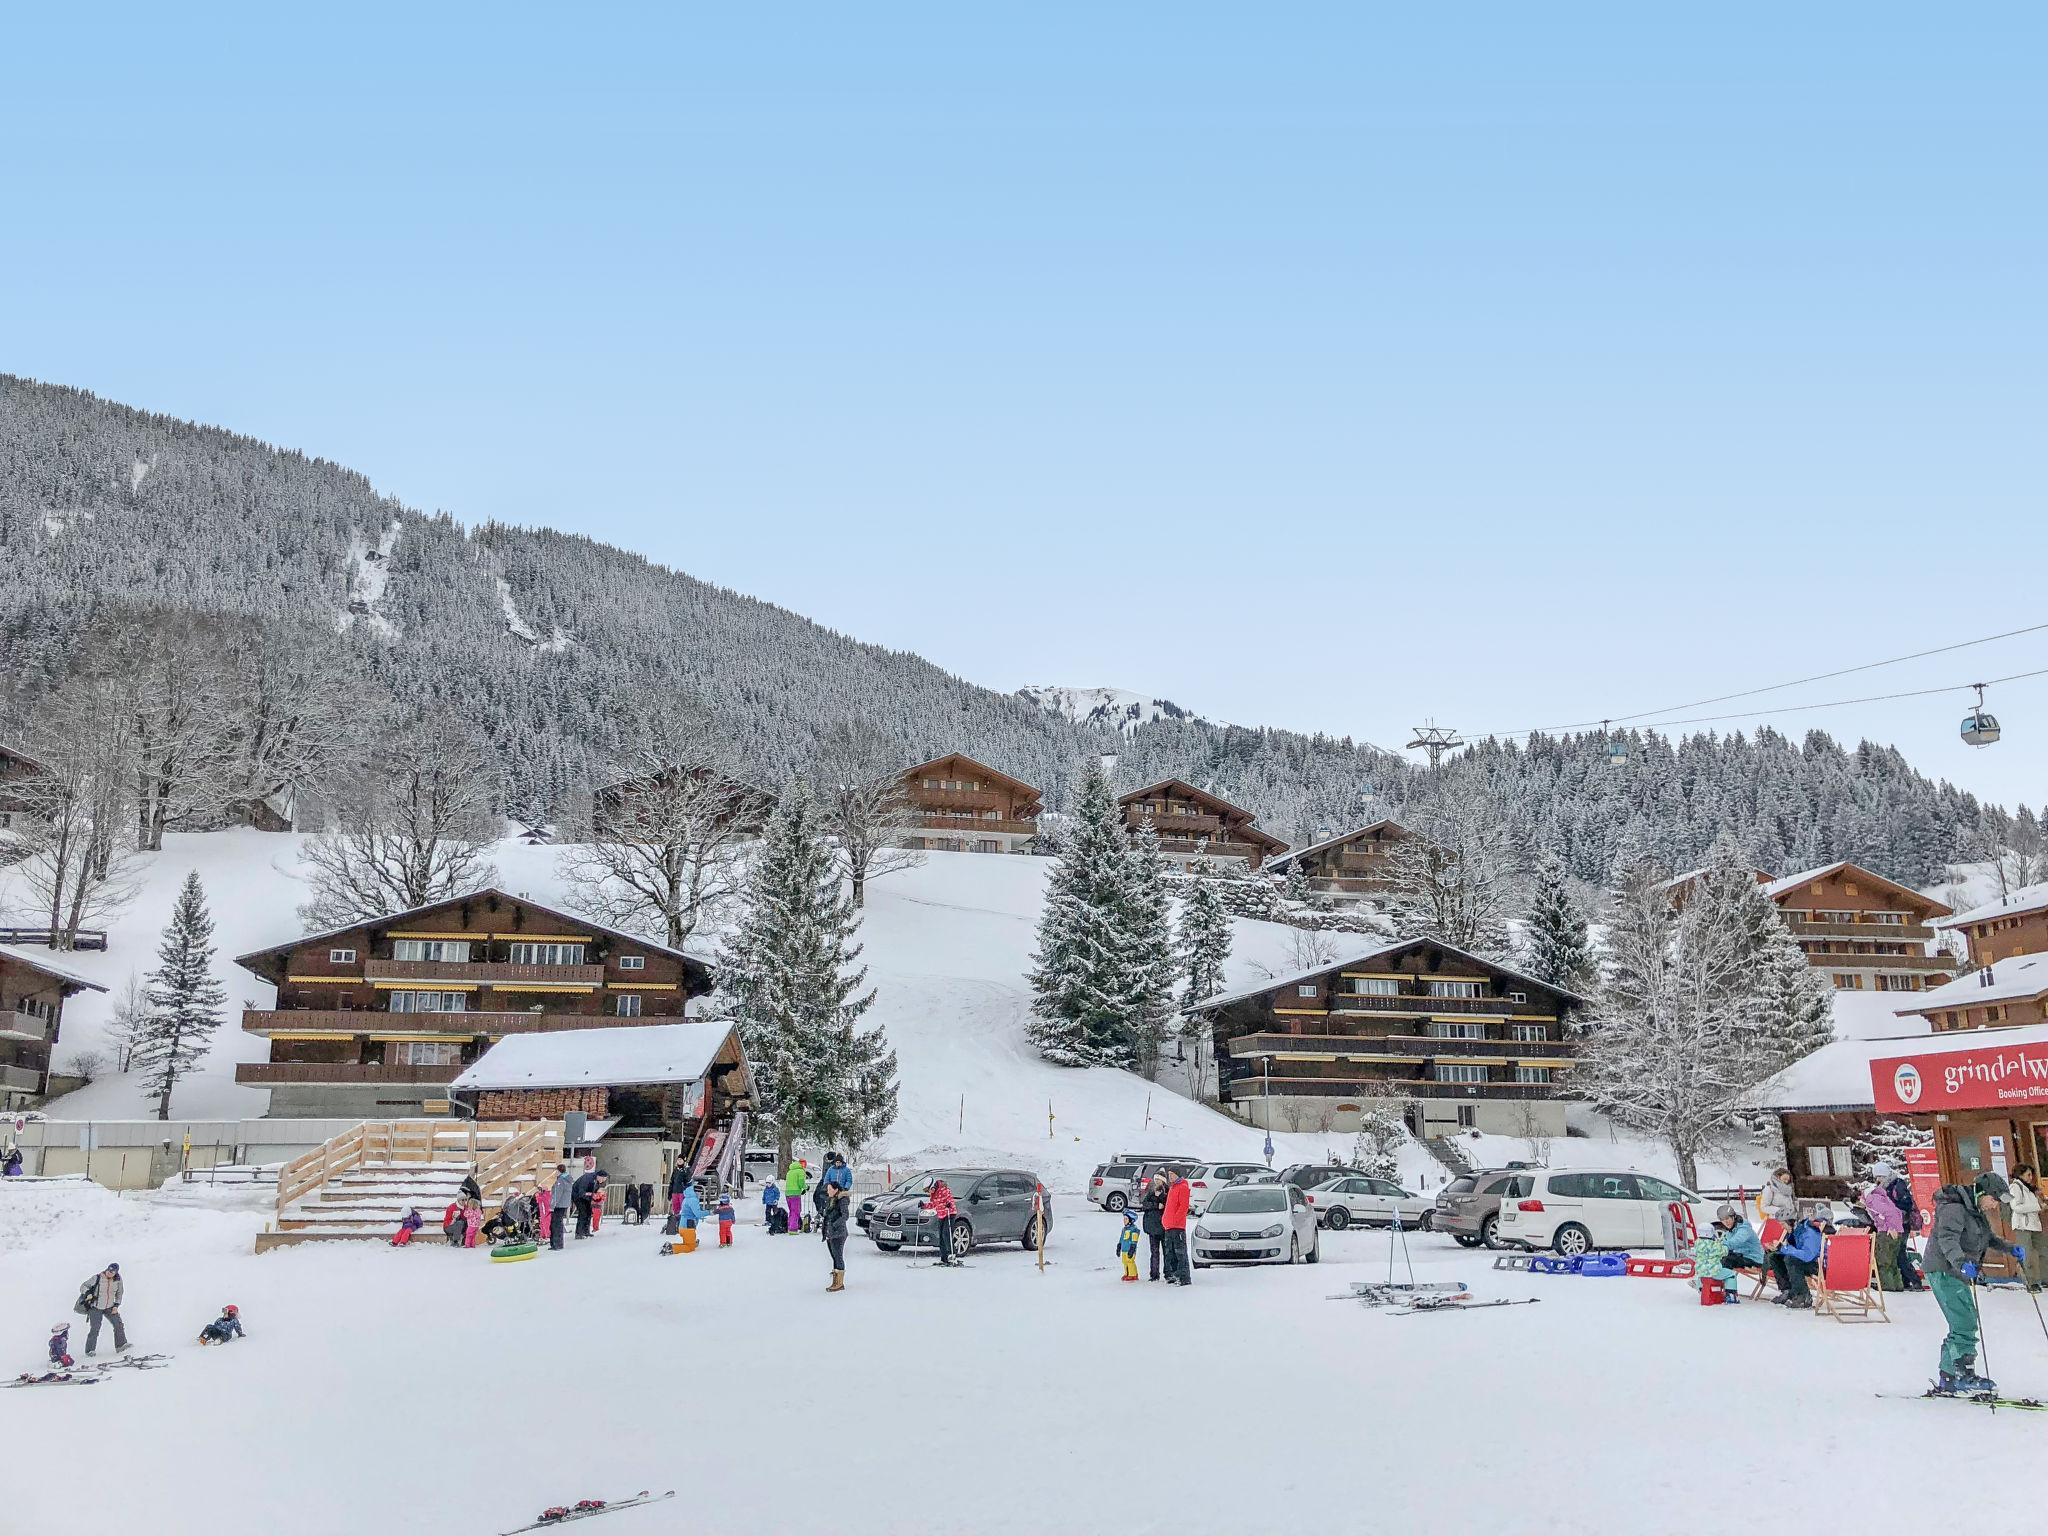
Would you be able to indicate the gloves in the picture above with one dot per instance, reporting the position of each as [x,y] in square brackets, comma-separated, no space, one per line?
[1969,1271]
[2019,1254]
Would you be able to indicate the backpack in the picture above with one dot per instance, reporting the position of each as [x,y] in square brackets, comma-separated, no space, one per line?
[1901,1194]
[86,1293]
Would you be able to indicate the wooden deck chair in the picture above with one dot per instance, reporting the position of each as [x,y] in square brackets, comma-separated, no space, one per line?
[1845,1287]
[1770,1235]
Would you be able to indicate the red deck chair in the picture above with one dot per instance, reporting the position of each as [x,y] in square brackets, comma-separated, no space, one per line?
[1770,1235]
[1846,1286]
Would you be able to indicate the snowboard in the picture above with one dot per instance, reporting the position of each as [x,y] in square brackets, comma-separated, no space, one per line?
[563,1514]
[1982,1399]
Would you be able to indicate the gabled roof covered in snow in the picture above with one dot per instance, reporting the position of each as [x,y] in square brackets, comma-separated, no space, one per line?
[696,967]
[1837,1076]
[1280,863]
[2028,898]
[1380,953]
[636,1055]
[1788,885]
[2003,981]
[978,767]
[1216,803]
[70,980]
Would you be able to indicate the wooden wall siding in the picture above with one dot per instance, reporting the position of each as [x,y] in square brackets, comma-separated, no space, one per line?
[2032,1010]
[2003,938]
[1825,1129]
[1846,890]
[957,794]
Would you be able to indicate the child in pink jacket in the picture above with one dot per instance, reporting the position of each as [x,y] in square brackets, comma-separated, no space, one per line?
[472,1222]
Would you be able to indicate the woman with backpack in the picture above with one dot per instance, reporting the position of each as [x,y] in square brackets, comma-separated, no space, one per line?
[99,1300]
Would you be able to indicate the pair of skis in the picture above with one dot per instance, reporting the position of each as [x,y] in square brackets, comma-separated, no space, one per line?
[1456,1304]
[1982,1399]
[86,1375]
[583,1510]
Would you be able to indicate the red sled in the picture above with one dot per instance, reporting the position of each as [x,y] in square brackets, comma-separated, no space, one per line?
[1660,1269]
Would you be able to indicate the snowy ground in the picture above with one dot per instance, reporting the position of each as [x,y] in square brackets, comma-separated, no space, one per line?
[994,1399]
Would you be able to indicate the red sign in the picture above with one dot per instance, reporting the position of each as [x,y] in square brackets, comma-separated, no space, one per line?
[1923,1174]
[1998,1077]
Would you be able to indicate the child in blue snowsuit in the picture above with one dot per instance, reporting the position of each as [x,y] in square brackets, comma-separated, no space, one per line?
[226,1327]
[726,1216]
[1127,1245]
[60,1344]
[692,1210]
[771,1201]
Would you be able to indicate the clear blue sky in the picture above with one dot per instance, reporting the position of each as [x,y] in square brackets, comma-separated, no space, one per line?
[1322,366]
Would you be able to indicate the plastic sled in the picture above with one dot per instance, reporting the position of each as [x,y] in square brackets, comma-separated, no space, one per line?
[1660,1269]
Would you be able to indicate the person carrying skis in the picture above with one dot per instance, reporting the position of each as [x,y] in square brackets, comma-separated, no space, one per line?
[726,1216]
[1175,1219]
[940,1203]
[794,1183]
[1127,1245]
[225,1328]
[1154,1208]
[100,1299]
[1956,1245]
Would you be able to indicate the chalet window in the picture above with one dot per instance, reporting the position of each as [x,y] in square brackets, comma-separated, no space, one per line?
[1532,1074]
[443,951]
[1518,997]
[1817,1162]
[1993,1015]
[632,962]
[1842,1161]
[1848,983]
[1458,1031]
[1459,1072]
[1526,1032]
[1895,919]
[341,957]
[1457,989]
[430,1002]
[627,1005]
[534,952]
[1306,989]
[427,1053]
[1375,986]
[987,845]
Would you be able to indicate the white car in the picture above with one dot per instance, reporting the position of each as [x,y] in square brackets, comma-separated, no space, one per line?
[1256,1224]
[1577,1210]
[1205,1181]
[1370,1202]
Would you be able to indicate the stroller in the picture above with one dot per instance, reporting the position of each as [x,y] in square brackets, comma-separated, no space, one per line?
[517,1222]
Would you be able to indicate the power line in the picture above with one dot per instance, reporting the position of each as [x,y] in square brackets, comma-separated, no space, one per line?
[1797,682]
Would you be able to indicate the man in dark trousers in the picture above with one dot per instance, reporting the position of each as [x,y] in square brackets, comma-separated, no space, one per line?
[559,1196]
[941,1202]
[1153,1205]
[585,1191]
[1175,1220]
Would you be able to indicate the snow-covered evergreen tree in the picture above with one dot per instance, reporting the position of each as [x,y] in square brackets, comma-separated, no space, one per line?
[1556,948]
[1795,1003]
[789,977]
[1297,888]
[1889,1141]
[184,998]
[1154,964]
[1204,940]
[1381,1134]
[1086,974]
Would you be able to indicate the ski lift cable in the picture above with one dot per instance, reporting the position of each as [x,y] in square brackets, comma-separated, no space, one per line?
[1875,698]
[1797,682]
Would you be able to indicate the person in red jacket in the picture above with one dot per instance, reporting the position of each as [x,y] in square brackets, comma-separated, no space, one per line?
[941,1202]
[1175,1220]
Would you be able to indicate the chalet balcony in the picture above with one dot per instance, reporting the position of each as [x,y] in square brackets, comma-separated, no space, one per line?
[958,799]
[489,973]
[21,1079]
[1419,1004]
[1822,960]
[1400,1088]
[930,823]
[266,1074]
[1878,933]
[1170,825]
[1214,850]
[367,1021]
[1423,1046]
[18,1025]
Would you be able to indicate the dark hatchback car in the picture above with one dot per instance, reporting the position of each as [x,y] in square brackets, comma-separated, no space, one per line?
[990,1205]
[1469,1206]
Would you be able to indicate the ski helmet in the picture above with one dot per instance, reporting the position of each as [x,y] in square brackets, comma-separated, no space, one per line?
[63,1327]
[231,1310]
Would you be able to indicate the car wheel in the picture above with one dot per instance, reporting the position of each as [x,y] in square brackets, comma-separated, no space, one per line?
[1466,1240]
[1315,1251]
[1294,1247]
[1573,1240]
[1030,1237]
[963,1239]
[1489,1232]
[889,1247]
[1116,1203]
[1338,1219]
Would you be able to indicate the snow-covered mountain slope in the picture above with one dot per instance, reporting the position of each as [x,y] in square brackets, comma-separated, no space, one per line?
[1117,709]
[947,947]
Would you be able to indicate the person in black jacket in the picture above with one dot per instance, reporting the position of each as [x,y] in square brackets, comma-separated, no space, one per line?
[582,1193]
[1154,1208]
[834,1228]
[469,1189]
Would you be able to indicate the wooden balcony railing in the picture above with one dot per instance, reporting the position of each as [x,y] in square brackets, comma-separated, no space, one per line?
[1422,1046]
[958,799]
[485,972]
[363,1021]
[1169,825]
[261,1074]
[1836,962]
[1413,1003]
[1815,928]
[1259,1087]
[934,823]
[1214,849]
[19,1025]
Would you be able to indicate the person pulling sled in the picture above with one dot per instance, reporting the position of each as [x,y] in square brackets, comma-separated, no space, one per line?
[1956,1245]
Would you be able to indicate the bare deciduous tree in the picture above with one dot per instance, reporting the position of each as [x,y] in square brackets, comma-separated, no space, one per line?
[289,717]
[410,823]
[1460,876]
[858,783]
[659,850]
[74,866]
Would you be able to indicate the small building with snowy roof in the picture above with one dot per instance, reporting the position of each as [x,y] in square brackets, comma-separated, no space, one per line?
[1348,867]
[2012,926]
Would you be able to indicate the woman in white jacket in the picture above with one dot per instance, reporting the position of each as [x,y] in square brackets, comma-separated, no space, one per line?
[1778,1201]
[2024,1195]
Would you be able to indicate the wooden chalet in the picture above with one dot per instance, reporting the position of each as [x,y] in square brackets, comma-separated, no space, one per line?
[2005,993]
[17,770]
[1194,825]
[1345,868]
[1459,1040]
[2006,929]
[377,1018]
[962,806]
[1868,933]
[32,994]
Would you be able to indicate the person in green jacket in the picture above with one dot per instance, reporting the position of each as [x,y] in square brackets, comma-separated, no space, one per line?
[794,1183]
[1956,1245]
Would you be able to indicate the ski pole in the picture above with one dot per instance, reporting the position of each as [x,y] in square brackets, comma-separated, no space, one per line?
[1983,1348]
[2036,1300]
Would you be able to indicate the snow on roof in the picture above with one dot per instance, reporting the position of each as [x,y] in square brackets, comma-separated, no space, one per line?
[2023,976]
[1378,951]
[55,972]
[2028,898]
[1837,1076]
[1281,861]
[1786,884]
[600,1058]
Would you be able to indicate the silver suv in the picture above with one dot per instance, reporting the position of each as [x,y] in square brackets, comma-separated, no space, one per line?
[1115,1185]
[1469,1206]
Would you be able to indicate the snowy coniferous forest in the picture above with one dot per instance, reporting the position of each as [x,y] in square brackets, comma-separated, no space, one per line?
[552,646]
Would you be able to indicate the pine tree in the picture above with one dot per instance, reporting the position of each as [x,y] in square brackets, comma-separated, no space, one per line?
[789,977]
[1084,974]
[1204,940]
[1795,1004]
[1558,950]
[184,998]
[1297,889]
[1889,1141]
[1382,1132]
[1149,940]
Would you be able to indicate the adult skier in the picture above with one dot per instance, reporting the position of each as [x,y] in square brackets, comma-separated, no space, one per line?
[1956,1245]
[561,1194]
[941,1202]
[1175,1219]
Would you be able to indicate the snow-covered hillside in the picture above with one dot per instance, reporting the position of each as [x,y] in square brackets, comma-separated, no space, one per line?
[1116,708]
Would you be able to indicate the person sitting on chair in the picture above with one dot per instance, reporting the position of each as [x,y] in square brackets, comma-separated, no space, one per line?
[1798,1259]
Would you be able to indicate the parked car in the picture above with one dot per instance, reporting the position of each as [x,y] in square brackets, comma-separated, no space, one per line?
[1576,1210]
[1469,1206]
[1256,1224]
[914,1184]
[1306,1176]
[991,1205]
[1205,1181]
[1111,1184]
[1371,1202]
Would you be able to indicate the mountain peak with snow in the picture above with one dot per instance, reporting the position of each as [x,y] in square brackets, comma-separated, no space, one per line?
[1117,708]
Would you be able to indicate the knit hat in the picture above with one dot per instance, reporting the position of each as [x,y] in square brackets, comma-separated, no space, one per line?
[1991,1184]
[1882,1172]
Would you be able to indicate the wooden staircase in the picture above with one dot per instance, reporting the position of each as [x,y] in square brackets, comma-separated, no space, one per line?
[357,1186]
